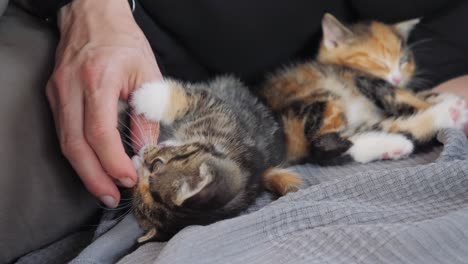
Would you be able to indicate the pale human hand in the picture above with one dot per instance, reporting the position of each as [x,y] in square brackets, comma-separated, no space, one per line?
[101,58]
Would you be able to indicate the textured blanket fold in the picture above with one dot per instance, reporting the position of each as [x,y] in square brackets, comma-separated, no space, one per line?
[388,212]
[409,211]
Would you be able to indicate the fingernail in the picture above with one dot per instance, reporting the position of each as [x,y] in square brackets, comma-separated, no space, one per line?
[127,182]
[109,201]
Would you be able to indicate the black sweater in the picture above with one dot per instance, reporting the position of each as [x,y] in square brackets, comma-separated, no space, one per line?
[195,40]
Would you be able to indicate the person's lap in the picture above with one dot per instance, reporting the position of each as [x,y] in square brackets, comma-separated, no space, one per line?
[43,199]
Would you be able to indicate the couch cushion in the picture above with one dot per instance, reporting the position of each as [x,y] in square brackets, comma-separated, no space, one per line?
[42,199]
[3,4]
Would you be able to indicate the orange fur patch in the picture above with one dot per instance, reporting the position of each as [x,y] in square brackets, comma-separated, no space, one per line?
[179,102]
[145,194]
[306,73]
[143,189]
[296,142]
[333,119]
[297,83]
[281,181]
[409,98]
[420,126]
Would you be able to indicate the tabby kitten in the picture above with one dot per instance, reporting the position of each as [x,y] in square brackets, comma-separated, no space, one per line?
[352,102]
[219,147]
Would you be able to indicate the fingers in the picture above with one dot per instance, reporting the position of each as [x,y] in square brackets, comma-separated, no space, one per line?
[104,138]
[143,132]
[87,165]
[68,116]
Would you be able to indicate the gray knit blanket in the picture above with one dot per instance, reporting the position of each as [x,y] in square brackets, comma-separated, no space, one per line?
[408,211]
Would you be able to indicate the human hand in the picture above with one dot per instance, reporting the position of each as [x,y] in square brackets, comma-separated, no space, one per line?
[102,56]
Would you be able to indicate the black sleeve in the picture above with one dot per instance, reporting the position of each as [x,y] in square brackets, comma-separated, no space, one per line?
[241,37]
[439,42]
[441,46]
[44,9]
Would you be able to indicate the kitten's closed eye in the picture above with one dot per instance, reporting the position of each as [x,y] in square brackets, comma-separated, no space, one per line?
[383,64]
[405,59]
[157,165]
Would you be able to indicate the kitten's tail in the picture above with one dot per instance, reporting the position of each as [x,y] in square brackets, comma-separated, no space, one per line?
[281,181]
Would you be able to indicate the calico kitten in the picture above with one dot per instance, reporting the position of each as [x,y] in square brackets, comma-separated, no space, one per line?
[219,147]
[352,101]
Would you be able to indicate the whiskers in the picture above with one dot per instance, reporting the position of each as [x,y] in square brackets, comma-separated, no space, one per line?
[417,44]
[421,80]
[122,206]
[117,213]
[146,133]
[123,215]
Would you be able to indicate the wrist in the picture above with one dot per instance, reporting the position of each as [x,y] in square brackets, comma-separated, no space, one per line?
[115,11]
[458,86]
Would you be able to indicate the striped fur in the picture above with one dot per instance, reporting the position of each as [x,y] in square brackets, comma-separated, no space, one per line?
[218,145]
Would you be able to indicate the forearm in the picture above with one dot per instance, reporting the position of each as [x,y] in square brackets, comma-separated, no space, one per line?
[457,86]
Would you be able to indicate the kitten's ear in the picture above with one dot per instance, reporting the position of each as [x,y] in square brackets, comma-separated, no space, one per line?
[187,190]
[404,28]
[334,33]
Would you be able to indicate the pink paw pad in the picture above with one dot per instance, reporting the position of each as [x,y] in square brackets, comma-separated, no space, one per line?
[396,154]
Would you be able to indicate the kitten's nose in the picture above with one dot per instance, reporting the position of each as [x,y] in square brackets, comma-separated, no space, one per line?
[396,79]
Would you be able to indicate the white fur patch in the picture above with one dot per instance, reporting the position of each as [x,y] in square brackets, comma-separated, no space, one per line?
[372,146]
[142,172]
[450,112]
[359,110]
[151,100]
[137,162]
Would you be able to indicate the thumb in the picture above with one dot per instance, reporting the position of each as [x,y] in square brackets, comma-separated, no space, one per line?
[143,132]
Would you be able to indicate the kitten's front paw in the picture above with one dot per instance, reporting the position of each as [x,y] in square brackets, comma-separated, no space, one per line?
[372,146]
[399,152]
[151,100]
[452,112]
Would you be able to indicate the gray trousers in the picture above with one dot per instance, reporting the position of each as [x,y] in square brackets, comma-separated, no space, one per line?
[42,199]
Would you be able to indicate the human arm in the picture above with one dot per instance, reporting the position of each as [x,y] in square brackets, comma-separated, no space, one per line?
[457,86]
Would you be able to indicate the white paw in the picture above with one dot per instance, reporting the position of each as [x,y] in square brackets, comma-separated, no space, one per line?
[452,112]
[372,146]
[151,100]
